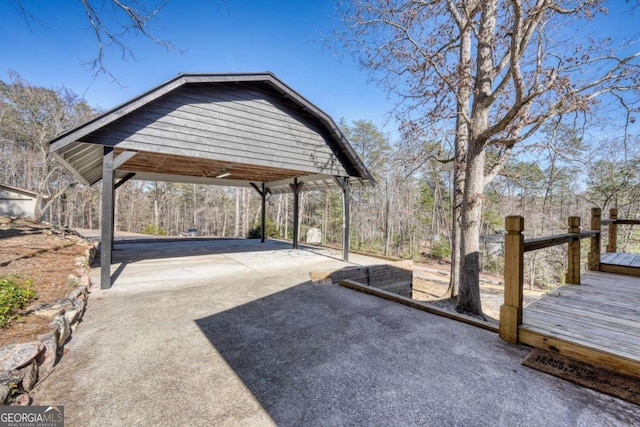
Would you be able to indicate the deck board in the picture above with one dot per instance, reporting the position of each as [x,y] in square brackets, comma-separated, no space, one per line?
[620,263]
[602,313]
[609,257]
[614,296]
[628,318]
[616,338]
[622,259]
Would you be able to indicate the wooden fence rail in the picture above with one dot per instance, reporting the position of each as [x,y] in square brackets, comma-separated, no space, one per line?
[612,222]
[613,230]
[516,246]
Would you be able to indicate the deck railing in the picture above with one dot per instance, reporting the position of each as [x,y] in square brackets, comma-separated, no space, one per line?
[613,221]
[514,249]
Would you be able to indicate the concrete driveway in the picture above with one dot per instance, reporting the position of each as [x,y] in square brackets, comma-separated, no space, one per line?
[230,332]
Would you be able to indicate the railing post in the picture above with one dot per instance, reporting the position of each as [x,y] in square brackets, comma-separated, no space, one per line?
[573,254]
[612,246]
[594,253]
[511,310]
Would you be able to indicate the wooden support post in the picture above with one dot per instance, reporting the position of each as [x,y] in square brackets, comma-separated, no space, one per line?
[106,228]
[511,310]
[262,191]
[594,253]
[115,164]
[344,184]
[612,246]
[295,188]
[346,219]
[113,219]
[573,253]
[263,219]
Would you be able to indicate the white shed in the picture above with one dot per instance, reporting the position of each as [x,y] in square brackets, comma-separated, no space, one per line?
[17,202]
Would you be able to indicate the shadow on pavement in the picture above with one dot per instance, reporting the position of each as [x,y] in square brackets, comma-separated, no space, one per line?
[326,355]
[132,251]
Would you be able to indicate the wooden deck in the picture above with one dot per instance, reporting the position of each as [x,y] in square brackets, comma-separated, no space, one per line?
[597,321]
[620,263]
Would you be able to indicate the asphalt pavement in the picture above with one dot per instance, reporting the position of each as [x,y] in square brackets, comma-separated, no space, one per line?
[231,332]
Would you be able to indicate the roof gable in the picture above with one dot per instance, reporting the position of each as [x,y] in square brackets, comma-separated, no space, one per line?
[18,190]
[251,119]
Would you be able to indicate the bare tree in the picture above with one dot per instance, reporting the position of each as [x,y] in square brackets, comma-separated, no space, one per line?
[612,172]
[29,117]
[111,22]
[497,70]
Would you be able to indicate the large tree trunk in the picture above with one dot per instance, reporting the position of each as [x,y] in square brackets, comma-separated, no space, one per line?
[462,138]
[387,221]
[456,211]
[469,295]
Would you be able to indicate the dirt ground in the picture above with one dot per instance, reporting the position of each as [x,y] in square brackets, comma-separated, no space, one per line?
[35,252]
[430,283]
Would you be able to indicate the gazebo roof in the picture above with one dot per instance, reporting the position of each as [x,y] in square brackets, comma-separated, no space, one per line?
[225,129]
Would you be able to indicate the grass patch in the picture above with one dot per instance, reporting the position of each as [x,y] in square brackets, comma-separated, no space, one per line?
[15,293]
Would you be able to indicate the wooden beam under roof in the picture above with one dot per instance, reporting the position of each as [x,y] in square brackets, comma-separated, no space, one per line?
[198,167]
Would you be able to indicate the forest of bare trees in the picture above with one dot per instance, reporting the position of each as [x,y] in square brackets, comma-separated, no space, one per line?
[407,214]
[493,73]
[492,99]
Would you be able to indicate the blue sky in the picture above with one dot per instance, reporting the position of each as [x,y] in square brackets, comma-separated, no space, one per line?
[282,36]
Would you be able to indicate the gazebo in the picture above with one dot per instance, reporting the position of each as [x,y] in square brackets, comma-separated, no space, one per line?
[243,130]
